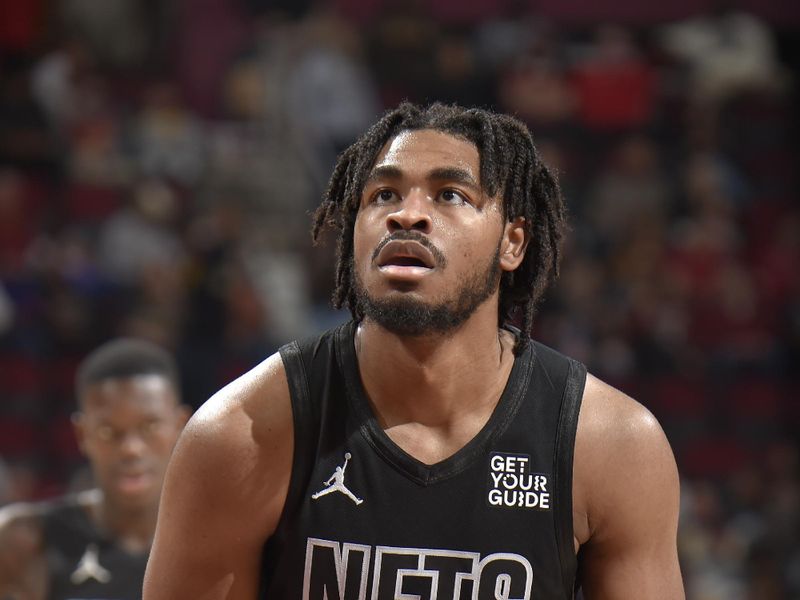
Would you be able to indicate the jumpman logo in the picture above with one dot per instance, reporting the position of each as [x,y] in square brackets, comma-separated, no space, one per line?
[89,567]
[335,483]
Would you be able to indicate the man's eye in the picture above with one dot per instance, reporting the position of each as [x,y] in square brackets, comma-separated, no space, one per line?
[150,428]
[105,433]
[384,196]
[453,197]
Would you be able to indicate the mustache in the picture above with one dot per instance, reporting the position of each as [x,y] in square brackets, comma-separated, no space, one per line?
[414,236]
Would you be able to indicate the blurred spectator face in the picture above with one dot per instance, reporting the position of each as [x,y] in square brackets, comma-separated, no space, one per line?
[244,91]
[156,201]
[636,156]
[127,428]
[454,58]
[536,90]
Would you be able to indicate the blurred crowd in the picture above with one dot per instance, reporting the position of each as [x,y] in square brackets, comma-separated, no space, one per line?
[159,161]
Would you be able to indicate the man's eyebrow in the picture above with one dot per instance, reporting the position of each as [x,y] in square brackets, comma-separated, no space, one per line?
[455,175]
[384,172]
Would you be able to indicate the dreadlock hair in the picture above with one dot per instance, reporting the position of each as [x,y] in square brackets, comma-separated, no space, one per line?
[509,165]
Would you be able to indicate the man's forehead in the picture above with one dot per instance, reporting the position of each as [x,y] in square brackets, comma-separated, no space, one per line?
[427,150]
[146,390]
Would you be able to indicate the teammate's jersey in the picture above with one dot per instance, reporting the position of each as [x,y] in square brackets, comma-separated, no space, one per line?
[85,564]
[363,519]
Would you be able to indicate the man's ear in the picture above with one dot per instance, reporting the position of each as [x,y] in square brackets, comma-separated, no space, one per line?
[182,415]
[513,245]
[79,429]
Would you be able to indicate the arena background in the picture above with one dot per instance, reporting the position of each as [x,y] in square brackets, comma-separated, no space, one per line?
[158,162]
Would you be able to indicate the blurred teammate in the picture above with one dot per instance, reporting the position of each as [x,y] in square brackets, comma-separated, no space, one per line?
[94,545]
[426,449]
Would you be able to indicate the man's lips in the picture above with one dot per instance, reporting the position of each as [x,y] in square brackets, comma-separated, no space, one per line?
[405,253]
[134,481]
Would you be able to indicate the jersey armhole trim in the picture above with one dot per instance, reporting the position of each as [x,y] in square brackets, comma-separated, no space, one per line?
[563,468]
[302,460]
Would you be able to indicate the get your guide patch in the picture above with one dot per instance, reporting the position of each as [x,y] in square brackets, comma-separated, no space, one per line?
[512,485]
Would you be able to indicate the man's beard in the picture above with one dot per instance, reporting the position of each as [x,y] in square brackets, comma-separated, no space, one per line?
[410,317]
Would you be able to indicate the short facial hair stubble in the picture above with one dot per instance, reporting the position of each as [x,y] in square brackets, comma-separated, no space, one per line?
[408,316]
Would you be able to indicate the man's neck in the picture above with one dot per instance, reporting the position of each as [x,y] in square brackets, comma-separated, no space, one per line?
[435,380]
[133,529]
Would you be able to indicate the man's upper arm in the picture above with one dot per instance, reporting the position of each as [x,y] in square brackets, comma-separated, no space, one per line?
[23,573]
[627,483]
[224,491]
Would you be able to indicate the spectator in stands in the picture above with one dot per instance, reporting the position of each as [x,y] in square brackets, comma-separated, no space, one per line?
[534,85]
[141,235]
[170,140]
[727,51]
[614,84]
[632,189]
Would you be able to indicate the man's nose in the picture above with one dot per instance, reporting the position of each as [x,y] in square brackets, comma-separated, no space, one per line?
[132,444]
[413,212]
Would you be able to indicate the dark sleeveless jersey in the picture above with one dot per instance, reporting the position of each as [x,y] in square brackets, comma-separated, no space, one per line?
[83,563]
[365,520]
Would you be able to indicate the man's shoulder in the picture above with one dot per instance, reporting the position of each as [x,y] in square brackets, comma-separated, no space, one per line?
[29,513]
[611,415]
[23,555]
[22,526]
[234,457]
[240,424]
[621,452]
[626,496]
[246,400]
[34,515]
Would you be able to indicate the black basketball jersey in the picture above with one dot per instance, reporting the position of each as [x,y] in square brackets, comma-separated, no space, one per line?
[365,520]
[83,563]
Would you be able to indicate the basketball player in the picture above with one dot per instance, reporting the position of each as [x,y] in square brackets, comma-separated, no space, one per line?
[94,545]
[427,448]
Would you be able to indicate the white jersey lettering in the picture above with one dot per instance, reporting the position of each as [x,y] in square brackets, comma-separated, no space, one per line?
[336,571]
